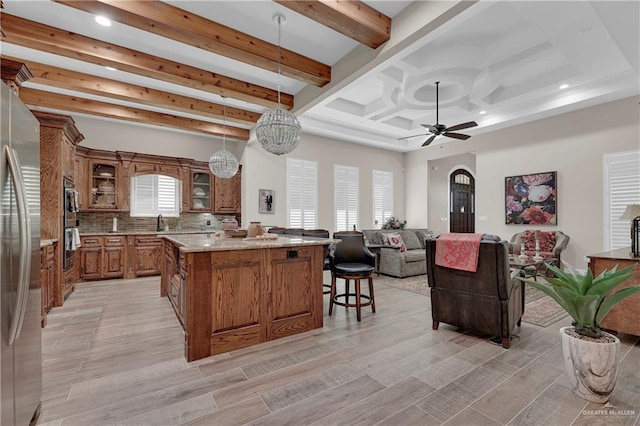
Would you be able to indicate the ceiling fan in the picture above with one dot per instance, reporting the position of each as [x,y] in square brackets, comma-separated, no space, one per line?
[440,129]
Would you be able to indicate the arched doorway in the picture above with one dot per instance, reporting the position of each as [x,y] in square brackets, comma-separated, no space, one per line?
[462,187]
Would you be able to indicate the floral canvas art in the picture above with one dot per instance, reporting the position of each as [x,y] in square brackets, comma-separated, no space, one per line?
[531,199]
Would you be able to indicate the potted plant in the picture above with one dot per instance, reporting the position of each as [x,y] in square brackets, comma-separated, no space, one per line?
[590,354]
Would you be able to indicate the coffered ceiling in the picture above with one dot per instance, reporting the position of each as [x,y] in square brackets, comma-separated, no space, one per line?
[358,71]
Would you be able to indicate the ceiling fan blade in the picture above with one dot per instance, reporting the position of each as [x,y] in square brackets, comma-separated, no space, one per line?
[457,136]
[407,137]
[462,126]
[428,141]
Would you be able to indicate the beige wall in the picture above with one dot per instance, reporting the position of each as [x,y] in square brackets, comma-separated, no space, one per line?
[267,171]
[573,144]
[438,191]
[121,136]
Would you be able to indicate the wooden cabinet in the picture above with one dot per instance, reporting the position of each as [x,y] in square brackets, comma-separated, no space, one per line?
[68,159]
[58,139]
[229,299]
[82,183]
[102,257]
[227,194]
[144,168]
[104,184]
[199,192]
[146,255]
[169,267]
[47,279]
[173,280]
[625,316]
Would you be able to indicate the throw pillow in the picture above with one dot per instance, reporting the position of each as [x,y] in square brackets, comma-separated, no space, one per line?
[395,240]
[410,239]
[547,241]
[383,238]
[529,239]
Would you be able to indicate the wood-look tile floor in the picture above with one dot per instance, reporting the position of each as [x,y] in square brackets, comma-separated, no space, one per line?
[113,354]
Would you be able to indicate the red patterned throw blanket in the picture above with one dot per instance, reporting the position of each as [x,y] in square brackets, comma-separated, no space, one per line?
[458,251]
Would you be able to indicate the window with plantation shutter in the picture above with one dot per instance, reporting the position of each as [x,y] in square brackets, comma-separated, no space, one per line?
[345,182]
[302,194]
[622,187]
[152,195]
[382,186]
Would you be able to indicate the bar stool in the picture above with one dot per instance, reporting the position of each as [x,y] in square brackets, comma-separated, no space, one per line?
[352,260]
[326,264]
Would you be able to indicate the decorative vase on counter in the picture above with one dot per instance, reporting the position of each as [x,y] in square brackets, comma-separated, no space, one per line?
[229,222]
[255,229]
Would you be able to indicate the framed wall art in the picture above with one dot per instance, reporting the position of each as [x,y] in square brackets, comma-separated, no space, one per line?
[531,199]
[266,201]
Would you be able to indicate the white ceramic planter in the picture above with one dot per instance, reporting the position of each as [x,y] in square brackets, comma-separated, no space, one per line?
[592,368]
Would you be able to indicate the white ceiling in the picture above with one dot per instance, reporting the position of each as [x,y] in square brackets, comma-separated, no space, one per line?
[498,63]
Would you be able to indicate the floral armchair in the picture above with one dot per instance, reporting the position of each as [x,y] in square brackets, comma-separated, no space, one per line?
[551,244]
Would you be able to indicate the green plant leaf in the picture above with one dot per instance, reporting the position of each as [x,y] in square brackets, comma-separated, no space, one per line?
[563,296]
[586,307]
[613,300]
[610,281]
[569,279]
[584,282]
[559,283]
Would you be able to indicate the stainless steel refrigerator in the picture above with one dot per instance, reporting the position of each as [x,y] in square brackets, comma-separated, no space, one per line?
[21,352]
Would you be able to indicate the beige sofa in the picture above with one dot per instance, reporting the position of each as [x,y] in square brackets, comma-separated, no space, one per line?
[399,264]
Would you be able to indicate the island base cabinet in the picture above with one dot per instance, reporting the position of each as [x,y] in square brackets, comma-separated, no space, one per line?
[236,294]
[294,295]
[238,298]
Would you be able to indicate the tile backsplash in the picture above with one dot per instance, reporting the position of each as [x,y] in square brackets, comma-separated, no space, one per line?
[103,222]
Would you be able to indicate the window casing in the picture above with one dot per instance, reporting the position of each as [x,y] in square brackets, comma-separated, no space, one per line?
[622,187]
[302,194]
[152,195]
[345,182]
[382,188]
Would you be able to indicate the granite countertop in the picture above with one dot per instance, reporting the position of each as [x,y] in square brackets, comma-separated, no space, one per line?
[182,231]
[209,242]
[44,243]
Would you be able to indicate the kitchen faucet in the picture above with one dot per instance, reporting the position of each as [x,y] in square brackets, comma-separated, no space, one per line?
[160,220]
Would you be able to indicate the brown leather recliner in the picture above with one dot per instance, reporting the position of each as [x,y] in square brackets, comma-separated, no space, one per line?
[488,301]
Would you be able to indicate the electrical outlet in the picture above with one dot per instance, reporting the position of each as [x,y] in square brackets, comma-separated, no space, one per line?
[208,223]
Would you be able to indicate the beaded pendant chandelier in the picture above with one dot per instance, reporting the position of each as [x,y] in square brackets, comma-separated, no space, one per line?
[278,130]
[223,164]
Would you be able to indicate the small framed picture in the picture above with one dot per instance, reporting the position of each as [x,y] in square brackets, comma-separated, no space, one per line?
[266,201]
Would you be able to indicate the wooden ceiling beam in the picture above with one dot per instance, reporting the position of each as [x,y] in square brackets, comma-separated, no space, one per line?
[354,19]
[71,80]
[42,37]
[61,102]
[177,24]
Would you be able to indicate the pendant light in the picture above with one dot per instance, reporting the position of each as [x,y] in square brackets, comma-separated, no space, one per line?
[278,130]
[223,164]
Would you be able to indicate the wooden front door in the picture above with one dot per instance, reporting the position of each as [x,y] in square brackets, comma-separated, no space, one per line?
[462,202]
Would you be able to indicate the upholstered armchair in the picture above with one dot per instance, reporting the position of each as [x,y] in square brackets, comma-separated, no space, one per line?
[551,244]
[489,301]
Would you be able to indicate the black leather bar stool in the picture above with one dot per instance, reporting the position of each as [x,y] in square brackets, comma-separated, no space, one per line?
[326,265]
[352,260]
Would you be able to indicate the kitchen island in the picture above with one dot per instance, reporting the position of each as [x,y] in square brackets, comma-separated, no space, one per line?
[230,293]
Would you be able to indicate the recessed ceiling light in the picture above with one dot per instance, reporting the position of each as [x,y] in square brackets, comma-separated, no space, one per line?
[483,112]
[111,68]
[103,20]
[563,86]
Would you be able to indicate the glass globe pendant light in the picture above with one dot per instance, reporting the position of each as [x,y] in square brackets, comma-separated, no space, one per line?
[223,164]
[278,130]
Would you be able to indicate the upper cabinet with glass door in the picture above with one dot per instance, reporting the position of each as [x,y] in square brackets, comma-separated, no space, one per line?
[104,184]
[201,186]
